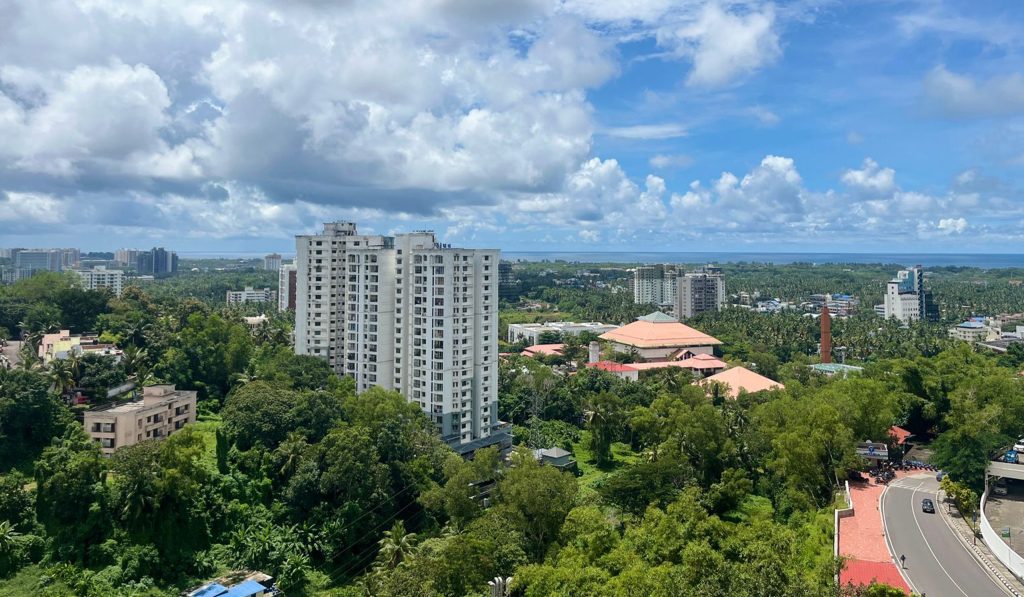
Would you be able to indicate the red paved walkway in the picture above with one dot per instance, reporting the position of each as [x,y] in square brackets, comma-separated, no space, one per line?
[862,540]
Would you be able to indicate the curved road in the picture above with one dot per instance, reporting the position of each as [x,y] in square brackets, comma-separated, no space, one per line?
[937,565]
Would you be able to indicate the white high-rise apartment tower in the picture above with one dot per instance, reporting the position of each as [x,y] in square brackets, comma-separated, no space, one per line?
[406,313]
[700,291]
[655,284]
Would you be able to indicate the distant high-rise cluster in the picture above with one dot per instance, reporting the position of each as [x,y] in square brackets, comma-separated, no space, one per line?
[689,293]
[28,262]
[655,284]
[157,261]
[406,313]
[906,298]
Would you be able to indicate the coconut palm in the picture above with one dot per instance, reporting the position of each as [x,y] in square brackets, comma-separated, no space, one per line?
[61,376]
[8,541]
[396,547]
[133,359]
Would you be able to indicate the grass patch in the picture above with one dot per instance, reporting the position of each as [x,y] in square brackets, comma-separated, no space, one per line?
[206,428]
[26,583]
[591,475]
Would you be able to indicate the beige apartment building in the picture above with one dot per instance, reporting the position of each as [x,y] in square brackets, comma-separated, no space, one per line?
[161,411]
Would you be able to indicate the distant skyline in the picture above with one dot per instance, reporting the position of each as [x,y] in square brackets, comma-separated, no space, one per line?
[565,125]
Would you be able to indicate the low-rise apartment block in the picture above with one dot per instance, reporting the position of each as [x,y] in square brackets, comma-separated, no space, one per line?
[101,277]
[532,332]
[251,295]
[160,412]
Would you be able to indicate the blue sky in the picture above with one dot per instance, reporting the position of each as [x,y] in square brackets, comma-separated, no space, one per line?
[580,125]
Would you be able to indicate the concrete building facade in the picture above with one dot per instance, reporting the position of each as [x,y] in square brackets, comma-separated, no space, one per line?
[160,412]
[906,298]
[406,313]
[251,295]
[531,332]
[655,284]
[700,291]
[286,287]
[272,262]
[101,277]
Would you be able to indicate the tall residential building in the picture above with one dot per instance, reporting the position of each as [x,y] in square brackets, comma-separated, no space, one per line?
[906,298]
[700,291]
[507,285]
[157,261]
[160,412]
[655,284]
[251,295]
[286,287]
[101,277]
[406,313]
[127,257]
[272,262]
[51,260]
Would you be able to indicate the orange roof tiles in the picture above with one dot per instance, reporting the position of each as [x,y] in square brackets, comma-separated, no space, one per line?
[612,366]
[542,349]
[661,334]
[742,379]
[900,434]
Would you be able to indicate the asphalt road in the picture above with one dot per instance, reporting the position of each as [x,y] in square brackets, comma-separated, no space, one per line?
[937,564]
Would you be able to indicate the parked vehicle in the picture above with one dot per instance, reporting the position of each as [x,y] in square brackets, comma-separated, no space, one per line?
[1000,490]
[1019,446]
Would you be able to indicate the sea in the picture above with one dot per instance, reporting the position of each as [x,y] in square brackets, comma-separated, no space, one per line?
[980,260]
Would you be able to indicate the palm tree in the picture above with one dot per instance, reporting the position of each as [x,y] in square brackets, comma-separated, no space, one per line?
[133,359]
[396,547]
[8,540]
[61,376]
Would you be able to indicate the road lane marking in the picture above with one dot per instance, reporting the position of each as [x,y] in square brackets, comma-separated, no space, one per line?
[888,541]
[913,512]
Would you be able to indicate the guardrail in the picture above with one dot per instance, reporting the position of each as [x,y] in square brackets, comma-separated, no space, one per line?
[1003,552]
[837,514]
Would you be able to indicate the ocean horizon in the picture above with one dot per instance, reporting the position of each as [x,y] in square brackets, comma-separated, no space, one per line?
[980,260]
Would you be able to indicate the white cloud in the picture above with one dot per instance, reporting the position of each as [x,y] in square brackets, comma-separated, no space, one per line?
[648,131]
[725,46]
[871,178]
[854,138]
[959,95]
[764,116]
[662,161]
[952,225]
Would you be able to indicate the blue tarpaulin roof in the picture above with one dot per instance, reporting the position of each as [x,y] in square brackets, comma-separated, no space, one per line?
[246,589]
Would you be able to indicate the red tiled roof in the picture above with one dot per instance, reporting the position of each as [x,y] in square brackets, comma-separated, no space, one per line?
[899,433]
[742,379]
[544,349]
[862,572]
[660,334]
[611,366]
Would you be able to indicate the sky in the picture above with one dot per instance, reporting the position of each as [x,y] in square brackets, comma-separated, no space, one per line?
[524,125]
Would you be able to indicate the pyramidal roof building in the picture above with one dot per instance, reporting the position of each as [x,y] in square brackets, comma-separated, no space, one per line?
[660,337]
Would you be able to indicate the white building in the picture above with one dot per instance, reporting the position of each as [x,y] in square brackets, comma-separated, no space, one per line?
[286,287]
[700,291]
[906,298]
[251,295]
[101,277]
[127,257]
[531,332]
[655,284]
[272,262]
[409,314]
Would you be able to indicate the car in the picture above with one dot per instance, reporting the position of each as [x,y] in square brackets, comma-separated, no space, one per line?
[999,490]
[940,475]
[927,506]
[1019,446]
